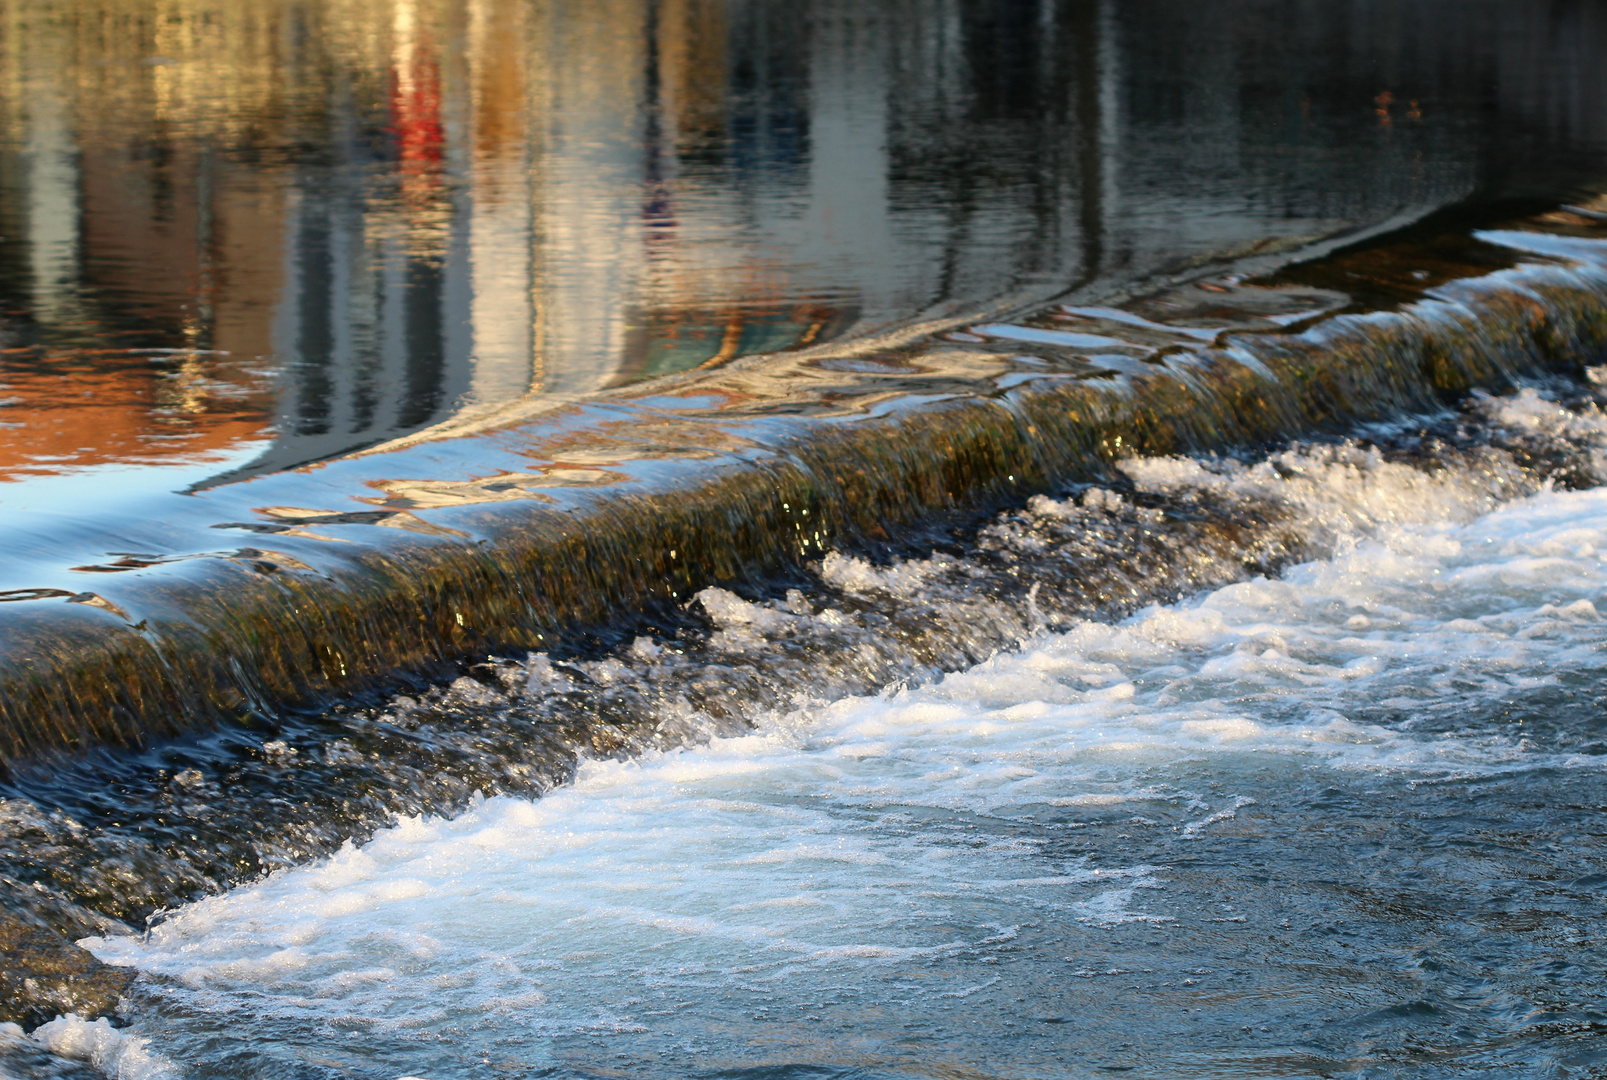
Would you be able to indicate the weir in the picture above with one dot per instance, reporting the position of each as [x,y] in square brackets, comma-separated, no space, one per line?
[509,532]
[685,537]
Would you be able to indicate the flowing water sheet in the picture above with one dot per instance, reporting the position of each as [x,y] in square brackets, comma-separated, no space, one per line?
[1341,822]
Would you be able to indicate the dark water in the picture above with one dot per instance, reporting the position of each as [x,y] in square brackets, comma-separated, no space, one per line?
[1280,756]
[247,236]
[1336,821]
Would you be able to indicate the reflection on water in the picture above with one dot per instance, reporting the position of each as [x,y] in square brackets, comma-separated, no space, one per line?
[333,222]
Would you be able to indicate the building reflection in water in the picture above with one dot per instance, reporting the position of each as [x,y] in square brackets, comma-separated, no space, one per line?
[333,222]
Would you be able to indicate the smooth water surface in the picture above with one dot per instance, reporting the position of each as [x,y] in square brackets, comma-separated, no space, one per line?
[326,223]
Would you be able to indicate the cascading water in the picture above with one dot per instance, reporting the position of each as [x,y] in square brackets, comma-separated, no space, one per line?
[757,688]
[1337,819]
[790,540]
[646,498]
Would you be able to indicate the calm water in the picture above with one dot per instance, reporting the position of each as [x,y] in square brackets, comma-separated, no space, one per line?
[1286,763]
[243,236]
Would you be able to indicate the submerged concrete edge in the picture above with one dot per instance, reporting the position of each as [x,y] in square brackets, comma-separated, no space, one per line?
[73,677]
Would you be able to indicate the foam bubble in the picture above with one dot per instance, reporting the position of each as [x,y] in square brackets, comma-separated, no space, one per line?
[118,1055]
[787,858]
[905,578]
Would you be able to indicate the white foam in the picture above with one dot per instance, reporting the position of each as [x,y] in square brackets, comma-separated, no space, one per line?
[1530,410]
[774,860]
[117,1055]
[1094,499]
[904,578]
[1343,492]
[743,626]
[728,610]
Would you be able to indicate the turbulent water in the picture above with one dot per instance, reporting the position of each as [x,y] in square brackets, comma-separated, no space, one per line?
[1331,806]
[703,345]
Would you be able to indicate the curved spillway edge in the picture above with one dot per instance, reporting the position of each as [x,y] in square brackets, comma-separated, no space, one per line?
[229,638]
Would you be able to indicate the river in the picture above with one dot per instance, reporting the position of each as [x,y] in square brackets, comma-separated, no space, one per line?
[815,540]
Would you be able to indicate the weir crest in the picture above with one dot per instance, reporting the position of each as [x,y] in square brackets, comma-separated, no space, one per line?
[519,534]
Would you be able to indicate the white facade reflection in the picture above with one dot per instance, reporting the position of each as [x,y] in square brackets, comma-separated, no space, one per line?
[390,214]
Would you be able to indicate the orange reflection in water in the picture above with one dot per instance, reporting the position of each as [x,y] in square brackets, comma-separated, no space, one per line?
[68,411]
[416,210]
[277,181]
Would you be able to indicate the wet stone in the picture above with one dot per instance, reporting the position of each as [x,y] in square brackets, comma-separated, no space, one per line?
[44,975]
